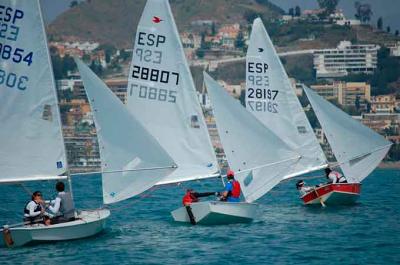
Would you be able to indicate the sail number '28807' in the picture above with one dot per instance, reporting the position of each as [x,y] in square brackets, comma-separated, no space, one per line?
[153,83]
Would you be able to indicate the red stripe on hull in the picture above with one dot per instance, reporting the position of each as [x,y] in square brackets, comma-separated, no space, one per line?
[347,190]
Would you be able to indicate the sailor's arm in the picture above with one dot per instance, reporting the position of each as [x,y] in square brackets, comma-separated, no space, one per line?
[56,206]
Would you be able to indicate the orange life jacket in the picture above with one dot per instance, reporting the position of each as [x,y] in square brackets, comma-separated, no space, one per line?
[189,198]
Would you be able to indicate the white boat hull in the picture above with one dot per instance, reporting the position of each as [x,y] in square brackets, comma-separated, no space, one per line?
[87,224]
[217,213]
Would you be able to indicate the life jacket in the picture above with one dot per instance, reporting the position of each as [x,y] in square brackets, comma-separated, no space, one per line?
[67,207]
[38,207]
[339,177]
[235,193]
[189,198]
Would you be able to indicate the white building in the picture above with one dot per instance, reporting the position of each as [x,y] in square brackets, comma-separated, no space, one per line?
[395,49]
[346,58]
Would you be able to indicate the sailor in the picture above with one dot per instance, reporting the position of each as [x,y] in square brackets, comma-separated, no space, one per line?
[190,197]
[334,176]
[232,188]
[62,207]
[34,211]
[303,189]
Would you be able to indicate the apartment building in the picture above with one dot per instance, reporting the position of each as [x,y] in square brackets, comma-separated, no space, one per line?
[345,59]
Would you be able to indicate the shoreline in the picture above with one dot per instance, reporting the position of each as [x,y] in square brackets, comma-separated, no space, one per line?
[389,165]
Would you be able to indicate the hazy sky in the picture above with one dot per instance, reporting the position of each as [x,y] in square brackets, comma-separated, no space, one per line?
[388,9]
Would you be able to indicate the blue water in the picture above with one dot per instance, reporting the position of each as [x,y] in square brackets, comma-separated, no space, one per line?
[286,232]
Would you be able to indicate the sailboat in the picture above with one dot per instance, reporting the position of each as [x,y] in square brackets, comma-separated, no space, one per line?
[258,156]
[162,96]
[132,160]
[272,100]
[270,97]
[357,148]
[31,140]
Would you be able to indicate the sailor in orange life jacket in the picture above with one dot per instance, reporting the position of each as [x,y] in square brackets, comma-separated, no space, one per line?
[192,196]
[232,188]
[334,176]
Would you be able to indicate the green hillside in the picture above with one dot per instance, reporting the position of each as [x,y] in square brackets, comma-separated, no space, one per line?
[115,21]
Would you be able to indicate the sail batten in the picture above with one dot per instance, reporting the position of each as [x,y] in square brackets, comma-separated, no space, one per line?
[271,98]
[162,95]
[31,137]
[259,158]
[357,148]
[132,159]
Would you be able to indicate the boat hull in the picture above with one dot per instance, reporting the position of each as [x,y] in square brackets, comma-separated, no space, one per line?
[87,224]
[333,194]
[217,213]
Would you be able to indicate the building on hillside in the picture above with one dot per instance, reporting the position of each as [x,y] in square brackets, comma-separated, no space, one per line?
[118,86]
[345,59]
[234,90]
[346,93]
[382,122]
[297,87]
[395,49]
[383,103]
[228,34]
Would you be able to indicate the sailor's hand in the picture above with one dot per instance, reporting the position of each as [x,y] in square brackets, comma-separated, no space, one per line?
[217,193]
[42,211]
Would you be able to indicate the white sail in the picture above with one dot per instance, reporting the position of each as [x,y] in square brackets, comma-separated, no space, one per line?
[259,158]
[271,98]
[31,142]
[357,148]
[162,94]
[132,160]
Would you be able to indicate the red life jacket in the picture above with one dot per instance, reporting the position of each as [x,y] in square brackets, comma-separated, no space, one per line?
[189,198]
[235,189]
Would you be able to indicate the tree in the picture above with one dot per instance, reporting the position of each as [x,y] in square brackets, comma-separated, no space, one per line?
[388,29]
[396,32]
[379,23]
[250,15]
[363,12]
[328,5]
[297,11]
[213,29]
[239,42]
[291,11]
[73,4]
[357,102]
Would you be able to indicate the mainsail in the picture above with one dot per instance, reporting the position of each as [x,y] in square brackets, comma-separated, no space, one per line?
[132,160]
[357,148]
[162,95]
[271,98]
[31,142]
[259,158]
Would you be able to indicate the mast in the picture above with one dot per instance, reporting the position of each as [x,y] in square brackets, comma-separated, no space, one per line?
[58,103]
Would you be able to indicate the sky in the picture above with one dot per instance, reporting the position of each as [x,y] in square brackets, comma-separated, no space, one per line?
[389,10]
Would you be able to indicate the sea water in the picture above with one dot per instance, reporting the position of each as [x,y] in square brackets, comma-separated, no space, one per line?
[142,231]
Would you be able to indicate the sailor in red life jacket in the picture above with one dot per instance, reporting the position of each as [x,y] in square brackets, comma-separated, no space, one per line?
[192,196]
[232,188]
[334,176]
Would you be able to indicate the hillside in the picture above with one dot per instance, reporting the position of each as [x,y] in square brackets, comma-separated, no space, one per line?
[116,23]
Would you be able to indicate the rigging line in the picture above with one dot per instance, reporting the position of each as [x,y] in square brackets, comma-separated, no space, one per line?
[142,196]
[270,164]
[121,170]
[28,191]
